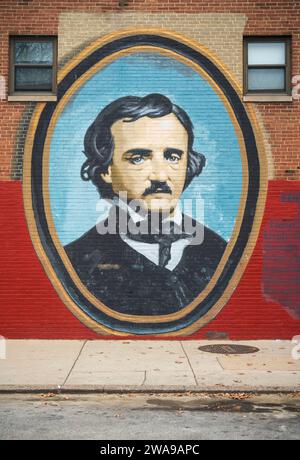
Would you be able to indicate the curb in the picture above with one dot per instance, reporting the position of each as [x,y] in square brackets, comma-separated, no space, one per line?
[111,389]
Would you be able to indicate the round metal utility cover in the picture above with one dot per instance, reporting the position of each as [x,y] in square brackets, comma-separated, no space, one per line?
[229,349]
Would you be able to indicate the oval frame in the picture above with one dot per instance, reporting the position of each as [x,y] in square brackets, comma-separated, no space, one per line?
[87,309]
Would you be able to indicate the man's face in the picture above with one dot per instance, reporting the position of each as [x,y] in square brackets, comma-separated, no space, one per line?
[149,161]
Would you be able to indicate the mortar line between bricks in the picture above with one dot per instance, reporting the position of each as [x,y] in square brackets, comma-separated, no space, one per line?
[75,362]
[189,362]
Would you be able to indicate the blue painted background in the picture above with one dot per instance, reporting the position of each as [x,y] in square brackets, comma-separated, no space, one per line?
[75,204]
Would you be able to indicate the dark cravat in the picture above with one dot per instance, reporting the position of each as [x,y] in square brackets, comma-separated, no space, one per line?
[168,234]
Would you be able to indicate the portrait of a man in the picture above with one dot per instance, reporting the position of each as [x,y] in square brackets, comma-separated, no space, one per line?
[152,261]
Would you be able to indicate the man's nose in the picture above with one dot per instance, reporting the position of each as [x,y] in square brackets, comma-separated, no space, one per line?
[158,169]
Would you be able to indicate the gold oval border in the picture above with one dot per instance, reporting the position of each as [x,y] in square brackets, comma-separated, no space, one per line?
[79,82]
[27,189]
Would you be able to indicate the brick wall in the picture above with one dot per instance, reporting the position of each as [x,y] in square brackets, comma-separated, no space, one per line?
[219,26]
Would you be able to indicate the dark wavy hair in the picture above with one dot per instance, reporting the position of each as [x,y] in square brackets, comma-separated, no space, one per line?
[99,142]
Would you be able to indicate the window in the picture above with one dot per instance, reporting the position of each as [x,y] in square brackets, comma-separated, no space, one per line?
[33,68]
[267,68]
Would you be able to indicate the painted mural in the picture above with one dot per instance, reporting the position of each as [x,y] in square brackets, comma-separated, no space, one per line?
[146,186]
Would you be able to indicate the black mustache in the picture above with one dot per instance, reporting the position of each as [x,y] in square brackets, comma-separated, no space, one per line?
[157,187]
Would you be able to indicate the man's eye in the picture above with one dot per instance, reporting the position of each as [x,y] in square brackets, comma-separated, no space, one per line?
[173,158]
[136,160]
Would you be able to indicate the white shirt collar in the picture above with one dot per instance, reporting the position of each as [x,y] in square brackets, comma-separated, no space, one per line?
[151,251]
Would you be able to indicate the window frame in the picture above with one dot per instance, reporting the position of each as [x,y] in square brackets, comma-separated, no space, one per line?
[32,95]
[271,93]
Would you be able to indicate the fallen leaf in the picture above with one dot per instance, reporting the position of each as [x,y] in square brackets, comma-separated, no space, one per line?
[47,395]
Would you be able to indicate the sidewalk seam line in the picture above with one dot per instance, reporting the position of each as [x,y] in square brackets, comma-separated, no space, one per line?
[220,364]
[74,364]
[189,363]
[145,378]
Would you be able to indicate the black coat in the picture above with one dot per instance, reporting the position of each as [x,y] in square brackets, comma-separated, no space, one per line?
[127,282]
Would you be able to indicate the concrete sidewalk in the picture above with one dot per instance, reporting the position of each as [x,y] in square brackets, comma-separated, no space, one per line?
[146,366]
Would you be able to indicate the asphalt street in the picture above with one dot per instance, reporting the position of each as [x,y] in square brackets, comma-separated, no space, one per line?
[150,416]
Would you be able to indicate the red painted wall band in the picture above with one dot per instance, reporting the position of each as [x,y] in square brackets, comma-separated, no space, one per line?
[266,304]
